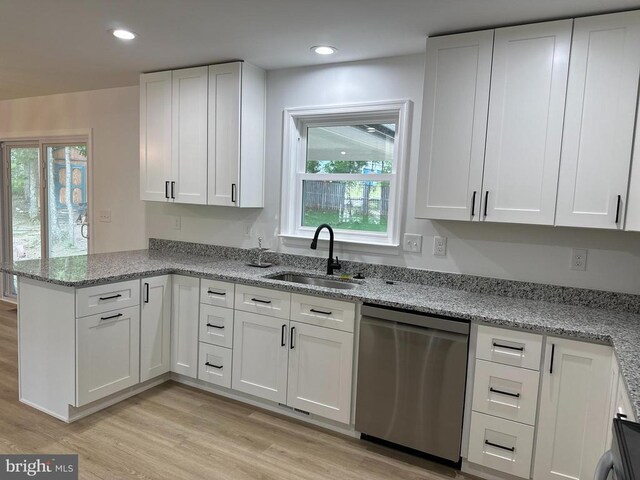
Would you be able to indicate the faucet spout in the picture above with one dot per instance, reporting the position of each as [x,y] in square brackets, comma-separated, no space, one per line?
[331,265]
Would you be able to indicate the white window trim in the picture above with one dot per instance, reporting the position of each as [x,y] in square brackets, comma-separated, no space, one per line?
[293,149]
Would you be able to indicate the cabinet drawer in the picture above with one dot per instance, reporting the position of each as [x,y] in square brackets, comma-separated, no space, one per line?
[510,347]
[214,365]
[323,312]
[219,294]
[506,391]
[216,325]
[104,298]
[263,301]
[501,444]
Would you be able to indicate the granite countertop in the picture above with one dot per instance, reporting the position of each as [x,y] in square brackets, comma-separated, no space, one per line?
[616,328]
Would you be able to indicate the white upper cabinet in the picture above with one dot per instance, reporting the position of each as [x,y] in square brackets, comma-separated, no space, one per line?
[599,121]
[189,136]
[454,121]
[155,135]
[524,133]
[236,135]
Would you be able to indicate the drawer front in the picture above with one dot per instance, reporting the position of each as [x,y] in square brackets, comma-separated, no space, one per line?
[263,301]
[216,326]
[510,347]
[505,391]
[214,365]
[219,294]
[501,444]
[104,298]
[323,312]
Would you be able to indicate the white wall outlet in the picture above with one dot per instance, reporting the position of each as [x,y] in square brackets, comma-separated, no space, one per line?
[177,222]
[412,243]
[440,246]
[579,259]
[105,216]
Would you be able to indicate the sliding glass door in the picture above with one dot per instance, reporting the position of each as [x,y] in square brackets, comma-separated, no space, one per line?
[45,192]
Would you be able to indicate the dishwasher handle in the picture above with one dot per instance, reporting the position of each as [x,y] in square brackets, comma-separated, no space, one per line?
[391,327]
[416,319]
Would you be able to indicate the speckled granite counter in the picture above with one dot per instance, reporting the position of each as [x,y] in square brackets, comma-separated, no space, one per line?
[618,328]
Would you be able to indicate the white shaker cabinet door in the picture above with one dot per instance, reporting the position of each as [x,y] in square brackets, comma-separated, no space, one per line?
[599,121]
[573,415]
[155,327]
[454,121]
[184,325]
[155,136]
[524,134]
[320,371]
[189,136]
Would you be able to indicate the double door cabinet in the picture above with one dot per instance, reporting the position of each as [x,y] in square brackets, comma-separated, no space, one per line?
[532,124]
[542,408]
[202,135]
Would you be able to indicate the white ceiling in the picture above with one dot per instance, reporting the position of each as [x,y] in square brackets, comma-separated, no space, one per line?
[54,46]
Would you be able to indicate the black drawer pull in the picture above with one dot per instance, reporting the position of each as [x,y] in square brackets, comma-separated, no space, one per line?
[293,329]
[214,326]
[282,334]
[166,189]
[473,204]
[486,202]
[621,416]
[618,209]
[502,392]
[111,297]
[211,292]
[320,311]
[260,301]
[509,449]
[117,315]
[214,366]
[146,293]
[173,187]
[509,347]
[553,354]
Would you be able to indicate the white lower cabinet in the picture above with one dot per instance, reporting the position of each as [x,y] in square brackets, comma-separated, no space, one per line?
[215,365]
[260,355]
[108,353]
[155,327]
[501,444]
[574,410]
[320,371]
[185,303]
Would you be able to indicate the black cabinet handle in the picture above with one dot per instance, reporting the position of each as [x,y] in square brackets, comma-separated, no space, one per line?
[502,392]
[553,354]
[211,292]
[233,193]
[621,416]
[282,334]
[508,347]
[111,297]
[293,329]
[117,315]
[486,202]
[173,187]
[146,293]
[260,301]
[509,449]
[214,326]
[166,189]
[214,366]
[320,311]
[473,204]
[618,209]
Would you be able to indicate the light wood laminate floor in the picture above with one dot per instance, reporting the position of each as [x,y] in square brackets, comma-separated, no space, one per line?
[180,433]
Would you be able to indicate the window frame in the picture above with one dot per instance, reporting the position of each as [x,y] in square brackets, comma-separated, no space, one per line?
[296,122]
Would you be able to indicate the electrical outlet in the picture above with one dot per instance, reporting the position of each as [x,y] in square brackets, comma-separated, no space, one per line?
[177,222]
[105,216]
[440,246]
[579,259]
[412,243]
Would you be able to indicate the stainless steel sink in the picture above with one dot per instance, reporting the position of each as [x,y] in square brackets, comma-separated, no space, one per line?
[316,281]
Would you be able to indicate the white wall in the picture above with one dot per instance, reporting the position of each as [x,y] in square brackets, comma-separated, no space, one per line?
[112,114]
[530,253]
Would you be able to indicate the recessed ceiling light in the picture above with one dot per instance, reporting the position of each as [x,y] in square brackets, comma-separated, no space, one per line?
[324,49]
[343,153]
[123,34]
[371,129]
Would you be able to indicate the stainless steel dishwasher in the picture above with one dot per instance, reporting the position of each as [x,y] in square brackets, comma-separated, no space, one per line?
[411,380]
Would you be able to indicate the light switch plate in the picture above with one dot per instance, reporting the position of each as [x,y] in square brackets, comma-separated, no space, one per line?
[105,216]
[579,259]
[412,243]
[440,246]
